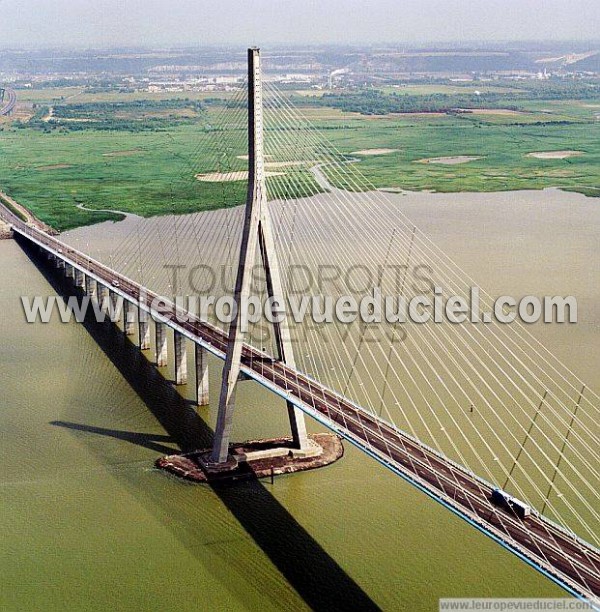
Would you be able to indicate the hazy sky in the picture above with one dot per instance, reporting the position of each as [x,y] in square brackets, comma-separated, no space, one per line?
[171,22]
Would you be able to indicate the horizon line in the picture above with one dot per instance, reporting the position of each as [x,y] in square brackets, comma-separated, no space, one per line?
[287,45]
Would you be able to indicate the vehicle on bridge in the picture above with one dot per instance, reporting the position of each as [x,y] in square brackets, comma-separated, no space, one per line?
[502,498]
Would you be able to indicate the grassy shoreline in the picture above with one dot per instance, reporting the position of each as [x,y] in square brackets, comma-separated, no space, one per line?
[13,209]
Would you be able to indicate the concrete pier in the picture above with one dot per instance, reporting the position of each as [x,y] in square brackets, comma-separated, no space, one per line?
[5,231]
[144,329]
[161,344]
[128,318]
[79,278]
[69,271]
[256,459]
[181,374]
[201,359]
[113,299]
[102,296]
[90,286]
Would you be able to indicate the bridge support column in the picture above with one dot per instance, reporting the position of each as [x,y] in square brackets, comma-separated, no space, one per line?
[116,314]
[144,329]
[181,374]
[128,318]
[69,270]
[79,278]
[60,263]
[90,286]
[201,359]
[102,296]
[160,331]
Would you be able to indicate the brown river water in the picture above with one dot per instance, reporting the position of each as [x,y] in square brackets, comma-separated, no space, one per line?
[88,524]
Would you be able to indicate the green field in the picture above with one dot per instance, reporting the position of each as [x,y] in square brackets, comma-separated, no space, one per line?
[448,88]
[502,149]
[145,161]
[144,173]
[81,95]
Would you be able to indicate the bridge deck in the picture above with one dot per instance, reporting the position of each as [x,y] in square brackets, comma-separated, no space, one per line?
[566,559]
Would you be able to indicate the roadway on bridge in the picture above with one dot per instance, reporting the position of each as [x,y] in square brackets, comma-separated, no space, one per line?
[10,101]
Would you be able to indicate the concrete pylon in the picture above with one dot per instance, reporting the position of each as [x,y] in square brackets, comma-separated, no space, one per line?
[201,360]
[144,329]
[257,230]
[160,330]
[181,373]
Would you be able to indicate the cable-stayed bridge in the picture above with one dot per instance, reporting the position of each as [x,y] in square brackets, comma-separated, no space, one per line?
[456,410]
